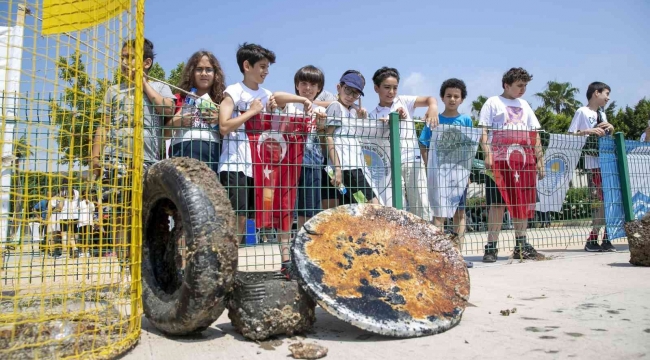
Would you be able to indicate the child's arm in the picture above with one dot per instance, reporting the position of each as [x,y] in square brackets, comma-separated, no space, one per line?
[325,99]
[487,152]
[227,123]
[334,157]
[431,116]
[424,151]
[98,146]
[283,98]
[539,155]
[162,105]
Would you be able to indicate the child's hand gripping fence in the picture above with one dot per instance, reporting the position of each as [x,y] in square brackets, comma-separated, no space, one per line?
[69,274]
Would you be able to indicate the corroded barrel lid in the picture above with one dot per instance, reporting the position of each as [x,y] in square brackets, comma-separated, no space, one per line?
[383,270]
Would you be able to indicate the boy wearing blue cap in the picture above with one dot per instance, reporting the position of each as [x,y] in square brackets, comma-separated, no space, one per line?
[344,150]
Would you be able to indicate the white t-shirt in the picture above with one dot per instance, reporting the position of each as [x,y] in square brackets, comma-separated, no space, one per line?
[346,144]
[70,208]
[642,137]
[86,213]
[585,119]
[53,219]
[408,140]
[500,113]
[236,152]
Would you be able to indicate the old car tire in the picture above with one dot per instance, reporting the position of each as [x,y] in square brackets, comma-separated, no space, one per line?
[186,190]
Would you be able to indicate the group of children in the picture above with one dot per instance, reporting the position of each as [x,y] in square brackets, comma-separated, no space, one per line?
[219,139]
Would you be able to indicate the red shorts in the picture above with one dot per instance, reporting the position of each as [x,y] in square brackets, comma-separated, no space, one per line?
[595,183]
[518,188]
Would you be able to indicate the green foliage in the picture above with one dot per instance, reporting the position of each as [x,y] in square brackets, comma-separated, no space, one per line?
[559,97]
[76,112]
[157,71]
[418,126]
[632,121]
[552,122]
[477,105]
[175,75]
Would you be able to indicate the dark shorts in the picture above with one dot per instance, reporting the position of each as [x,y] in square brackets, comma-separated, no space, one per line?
[206,151]
[241,191]
[354,181]
[309,192]
[327,191]
[492,193]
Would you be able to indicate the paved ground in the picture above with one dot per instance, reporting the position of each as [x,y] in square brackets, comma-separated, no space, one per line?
[576,305]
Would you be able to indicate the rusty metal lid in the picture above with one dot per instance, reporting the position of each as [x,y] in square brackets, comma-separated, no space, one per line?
[383,270]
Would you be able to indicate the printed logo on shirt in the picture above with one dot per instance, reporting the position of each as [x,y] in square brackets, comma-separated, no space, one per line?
[515,115]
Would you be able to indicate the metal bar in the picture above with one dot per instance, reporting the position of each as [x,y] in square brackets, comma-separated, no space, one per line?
[624,175]
[395,160]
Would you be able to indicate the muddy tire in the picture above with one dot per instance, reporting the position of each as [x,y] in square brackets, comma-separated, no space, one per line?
[181,302]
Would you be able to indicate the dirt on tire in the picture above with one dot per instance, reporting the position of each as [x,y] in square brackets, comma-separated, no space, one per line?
[186,191]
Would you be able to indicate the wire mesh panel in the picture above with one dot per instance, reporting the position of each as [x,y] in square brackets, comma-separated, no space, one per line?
[72,169]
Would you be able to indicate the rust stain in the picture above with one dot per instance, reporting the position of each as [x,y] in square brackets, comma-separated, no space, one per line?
[411,262]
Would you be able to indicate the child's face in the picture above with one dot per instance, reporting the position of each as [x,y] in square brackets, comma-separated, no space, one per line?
[516,90]
[347,95]
[601,97]
[257,72]
[452,99]
[127,63]
[387,90]
[203,74]
[307,89]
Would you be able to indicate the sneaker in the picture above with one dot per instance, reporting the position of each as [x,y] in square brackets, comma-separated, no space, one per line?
[592,246]
[607,246]
[490,255]
[287,270]
[524,250]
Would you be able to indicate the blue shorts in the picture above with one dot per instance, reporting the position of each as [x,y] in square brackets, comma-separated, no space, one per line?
[309,192]
[463,200]
[206,151]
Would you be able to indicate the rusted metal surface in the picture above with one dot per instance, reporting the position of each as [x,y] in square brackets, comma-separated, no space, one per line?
[383,270]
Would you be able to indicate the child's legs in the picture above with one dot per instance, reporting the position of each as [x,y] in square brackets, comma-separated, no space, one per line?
[459,226]
[415,187]
[238,186]
[495,220]
[309,195]
[595,183]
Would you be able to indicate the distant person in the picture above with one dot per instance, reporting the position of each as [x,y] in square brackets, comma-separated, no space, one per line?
[645,137]
[515,159]
[86,224]
[68,217]
[591,121]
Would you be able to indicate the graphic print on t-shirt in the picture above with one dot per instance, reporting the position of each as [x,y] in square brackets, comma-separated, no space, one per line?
[515,115]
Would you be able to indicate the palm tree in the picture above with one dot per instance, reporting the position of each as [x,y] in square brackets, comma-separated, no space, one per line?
[477,105]
[559,97]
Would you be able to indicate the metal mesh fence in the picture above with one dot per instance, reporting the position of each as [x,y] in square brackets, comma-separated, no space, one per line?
[70,219]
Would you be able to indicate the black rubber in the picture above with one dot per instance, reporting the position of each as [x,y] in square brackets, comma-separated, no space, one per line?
[183,302]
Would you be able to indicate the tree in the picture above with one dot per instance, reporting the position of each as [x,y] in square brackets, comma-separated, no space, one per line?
[610,111]
[477,105]
[157,71]
[559,97]
[632,121]
[551,122]
[76,111]
[175,76]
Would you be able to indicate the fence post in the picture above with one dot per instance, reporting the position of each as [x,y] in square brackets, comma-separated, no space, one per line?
[623,175]
[395,161]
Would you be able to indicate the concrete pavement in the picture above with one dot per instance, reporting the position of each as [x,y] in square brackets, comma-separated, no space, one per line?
[576,305]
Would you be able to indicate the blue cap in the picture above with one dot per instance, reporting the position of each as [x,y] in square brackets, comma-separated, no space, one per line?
[354,81]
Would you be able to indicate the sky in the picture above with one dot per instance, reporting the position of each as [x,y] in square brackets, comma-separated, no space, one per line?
[427,41]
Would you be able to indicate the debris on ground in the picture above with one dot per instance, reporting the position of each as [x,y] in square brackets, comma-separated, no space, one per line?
[307,351]
[505,312]
[513,311]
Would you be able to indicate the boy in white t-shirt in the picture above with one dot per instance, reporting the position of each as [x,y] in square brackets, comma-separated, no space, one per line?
[414,174]
[516,160]
[343,148]
[591,121]
[242,101]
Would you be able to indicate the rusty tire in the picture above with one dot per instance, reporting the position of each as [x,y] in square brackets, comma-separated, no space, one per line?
[181,303]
